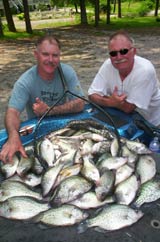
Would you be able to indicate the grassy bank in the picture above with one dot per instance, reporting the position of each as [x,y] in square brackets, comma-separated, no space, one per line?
[128,21]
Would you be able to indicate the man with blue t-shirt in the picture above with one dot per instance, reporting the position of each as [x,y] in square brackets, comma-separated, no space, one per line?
[38,89]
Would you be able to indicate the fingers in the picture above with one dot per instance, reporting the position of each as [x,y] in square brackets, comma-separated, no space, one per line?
[8,151]
[38,100]
[6,157]
[23,153]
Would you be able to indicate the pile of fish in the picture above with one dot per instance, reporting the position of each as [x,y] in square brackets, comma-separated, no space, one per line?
[81,174]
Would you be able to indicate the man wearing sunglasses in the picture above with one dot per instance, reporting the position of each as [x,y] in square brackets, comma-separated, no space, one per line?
[127,81]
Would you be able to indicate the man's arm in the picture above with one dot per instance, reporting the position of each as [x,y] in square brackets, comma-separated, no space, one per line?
[116,101]
[13,144]
[73,106]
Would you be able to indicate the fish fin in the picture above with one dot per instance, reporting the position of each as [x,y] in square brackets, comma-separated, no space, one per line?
[82,227]
[44,227]
[100,230]
[134,205]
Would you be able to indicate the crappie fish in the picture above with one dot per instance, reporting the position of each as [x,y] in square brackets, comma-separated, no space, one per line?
[137,147]
[30,179]
[15,188]
[22,208]
[101,147]
[105,185]
[66,215]
[37,168]
[126,191]
[9,169]
[78,157]
[29,149]
[63,131]
[25,165]
[114,147]
[70,188]
[93,136]
[85,135]
[46,151]
[122,173]
[89,169]
[86,147]
[149,192]
[67,172]
[89,200]
[111,218]
[65,144]
[49,178]
[66,159]
[146,168]
[93,126]
[111,162]
[132,156]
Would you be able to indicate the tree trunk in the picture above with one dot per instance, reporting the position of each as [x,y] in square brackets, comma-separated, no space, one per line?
[119,9]
[76,7]
[9,18]
[108,12]
[96,12]
[1,28]
[114,6]
[83,12]
[156,8]
[27,18]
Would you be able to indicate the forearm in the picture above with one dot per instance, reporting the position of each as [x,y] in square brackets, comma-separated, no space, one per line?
[104,101]
[12,122]
[13,144]
[111,101]
[73,106]
[127,107]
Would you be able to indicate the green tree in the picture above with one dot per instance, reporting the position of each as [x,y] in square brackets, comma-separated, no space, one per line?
[9,18]
[119,9]
[156,8]
[26,17]
[96,12]
[84,20]
[108,12]
[1,28]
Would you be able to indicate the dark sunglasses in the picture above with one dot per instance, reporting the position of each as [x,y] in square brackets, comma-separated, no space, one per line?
[122,52]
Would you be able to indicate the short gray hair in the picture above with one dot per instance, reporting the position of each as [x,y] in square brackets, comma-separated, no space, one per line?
[123,33]
[52,39]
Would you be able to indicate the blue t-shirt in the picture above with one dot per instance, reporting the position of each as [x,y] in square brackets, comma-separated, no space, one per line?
[30,85]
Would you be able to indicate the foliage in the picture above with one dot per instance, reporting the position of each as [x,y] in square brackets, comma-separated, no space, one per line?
[20,35]
[42,7]
[137,23]
[58,3]
[130,16]
[20,16]
[146,7]
[103,8]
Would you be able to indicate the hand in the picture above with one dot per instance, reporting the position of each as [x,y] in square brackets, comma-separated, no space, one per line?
[39,107]
[10,148]
[118,98]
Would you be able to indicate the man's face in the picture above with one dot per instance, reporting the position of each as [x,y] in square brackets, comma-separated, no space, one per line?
[122,61]
[48,58]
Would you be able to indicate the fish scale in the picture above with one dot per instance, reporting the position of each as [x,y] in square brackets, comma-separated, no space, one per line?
[149,192]
[112,218]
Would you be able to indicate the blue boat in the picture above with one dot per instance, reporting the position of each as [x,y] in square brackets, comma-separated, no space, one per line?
[113,119]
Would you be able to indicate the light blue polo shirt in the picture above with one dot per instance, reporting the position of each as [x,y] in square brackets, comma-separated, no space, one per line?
[30,85]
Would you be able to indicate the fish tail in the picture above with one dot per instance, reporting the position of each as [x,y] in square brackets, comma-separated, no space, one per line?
[135,205]
[82,227]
